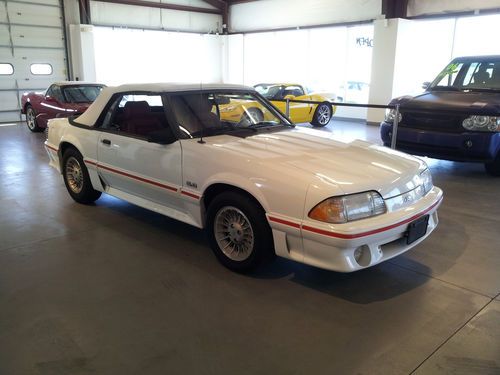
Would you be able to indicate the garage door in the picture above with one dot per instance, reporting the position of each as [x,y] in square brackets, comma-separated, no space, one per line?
[32,51]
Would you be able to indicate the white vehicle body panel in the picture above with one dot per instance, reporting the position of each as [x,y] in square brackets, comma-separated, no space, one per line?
[288,172]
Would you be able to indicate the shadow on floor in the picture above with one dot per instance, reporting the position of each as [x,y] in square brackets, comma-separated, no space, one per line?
[378,283]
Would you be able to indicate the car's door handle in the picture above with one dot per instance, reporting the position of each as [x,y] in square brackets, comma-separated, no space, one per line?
[106,142]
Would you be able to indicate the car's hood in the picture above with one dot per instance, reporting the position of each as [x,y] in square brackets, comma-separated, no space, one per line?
[316,156]
[457,101]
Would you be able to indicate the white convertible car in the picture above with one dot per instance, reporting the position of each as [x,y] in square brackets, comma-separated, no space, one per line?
[260,186]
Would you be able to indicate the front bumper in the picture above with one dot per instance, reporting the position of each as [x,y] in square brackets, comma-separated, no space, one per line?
[332,247]
[464,146]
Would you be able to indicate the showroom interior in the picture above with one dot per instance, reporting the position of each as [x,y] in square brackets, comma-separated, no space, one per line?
[114,288]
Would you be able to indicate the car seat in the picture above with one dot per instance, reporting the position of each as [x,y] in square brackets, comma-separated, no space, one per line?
[138,118]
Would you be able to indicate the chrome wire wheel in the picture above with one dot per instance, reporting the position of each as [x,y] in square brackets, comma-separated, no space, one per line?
[233,233]
[324,114]
[255,115]
[31,118]
[74,175]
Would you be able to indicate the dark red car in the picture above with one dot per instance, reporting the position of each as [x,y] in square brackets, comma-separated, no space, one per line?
[62,99]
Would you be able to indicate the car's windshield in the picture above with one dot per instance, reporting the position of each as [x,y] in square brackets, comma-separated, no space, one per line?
[479,75]
[213,113]
[81,94]
[269,91]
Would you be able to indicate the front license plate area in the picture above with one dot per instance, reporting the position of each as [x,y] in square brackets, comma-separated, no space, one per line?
[417,229]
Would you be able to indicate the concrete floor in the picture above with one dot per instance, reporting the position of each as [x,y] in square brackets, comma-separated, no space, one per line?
[115,289]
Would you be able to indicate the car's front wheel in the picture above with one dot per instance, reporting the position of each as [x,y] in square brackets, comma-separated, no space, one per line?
[31,120]
[493,168]
[322,115]
[77,179]
[238,231]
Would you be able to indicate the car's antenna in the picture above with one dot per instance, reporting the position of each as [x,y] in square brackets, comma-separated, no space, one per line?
[201,141]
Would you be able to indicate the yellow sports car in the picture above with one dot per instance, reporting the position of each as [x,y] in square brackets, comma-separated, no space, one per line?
[317,114]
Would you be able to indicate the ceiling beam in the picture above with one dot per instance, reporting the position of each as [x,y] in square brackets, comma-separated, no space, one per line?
[84,8]
[395,8]
[232,2]
[149,4]
[219,4]
[223,6]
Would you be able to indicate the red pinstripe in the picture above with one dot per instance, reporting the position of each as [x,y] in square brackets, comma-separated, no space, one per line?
[129,175]
[356,235]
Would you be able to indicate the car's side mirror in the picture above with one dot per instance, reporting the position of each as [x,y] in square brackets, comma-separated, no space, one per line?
[50,99]
[289,96]
[162,137]
[426,85]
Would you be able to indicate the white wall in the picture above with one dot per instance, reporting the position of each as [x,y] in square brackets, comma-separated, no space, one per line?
[383,62]
[155,18]
[421,7]
[233,56]
[275,14]
[127,55]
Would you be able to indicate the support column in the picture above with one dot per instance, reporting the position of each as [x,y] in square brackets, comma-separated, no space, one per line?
[82,52]
[385,34]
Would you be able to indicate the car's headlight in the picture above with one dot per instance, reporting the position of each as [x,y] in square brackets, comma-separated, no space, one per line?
[390,115]
[482,123]
[426,179]
[346,208]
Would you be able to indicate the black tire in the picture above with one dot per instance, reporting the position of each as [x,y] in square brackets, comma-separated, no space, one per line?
[245,211]
[31,120]
[255,113]
[322,115]
[76,178]
[493,168]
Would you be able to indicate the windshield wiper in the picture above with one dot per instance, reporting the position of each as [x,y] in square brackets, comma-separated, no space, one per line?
[444,88]
[261,125]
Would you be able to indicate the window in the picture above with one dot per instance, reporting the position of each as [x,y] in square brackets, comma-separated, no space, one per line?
[6,69]
[81,94]
[207,114]
[54,91]
[449,74]
[270,91]
[482,74]
[137,115]
[293,90]
[41,69]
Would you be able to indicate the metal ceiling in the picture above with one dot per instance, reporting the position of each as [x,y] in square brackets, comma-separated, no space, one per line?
[221,7]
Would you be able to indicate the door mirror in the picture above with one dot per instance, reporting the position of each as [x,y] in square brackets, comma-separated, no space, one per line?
[289,96]
[426,85]
[162,137]
[50,99]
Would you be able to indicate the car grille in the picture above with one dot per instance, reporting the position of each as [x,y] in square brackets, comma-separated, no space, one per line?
[433,121]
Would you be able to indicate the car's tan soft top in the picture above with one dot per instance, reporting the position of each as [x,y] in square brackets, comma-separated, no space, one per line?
[90,116]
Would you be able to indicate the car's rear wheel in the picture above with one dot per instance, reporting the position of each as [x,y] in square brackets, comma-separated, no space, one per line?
[322,115]
[252,116]
[493,168]
[238,231]
[77,179]
[31,120]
